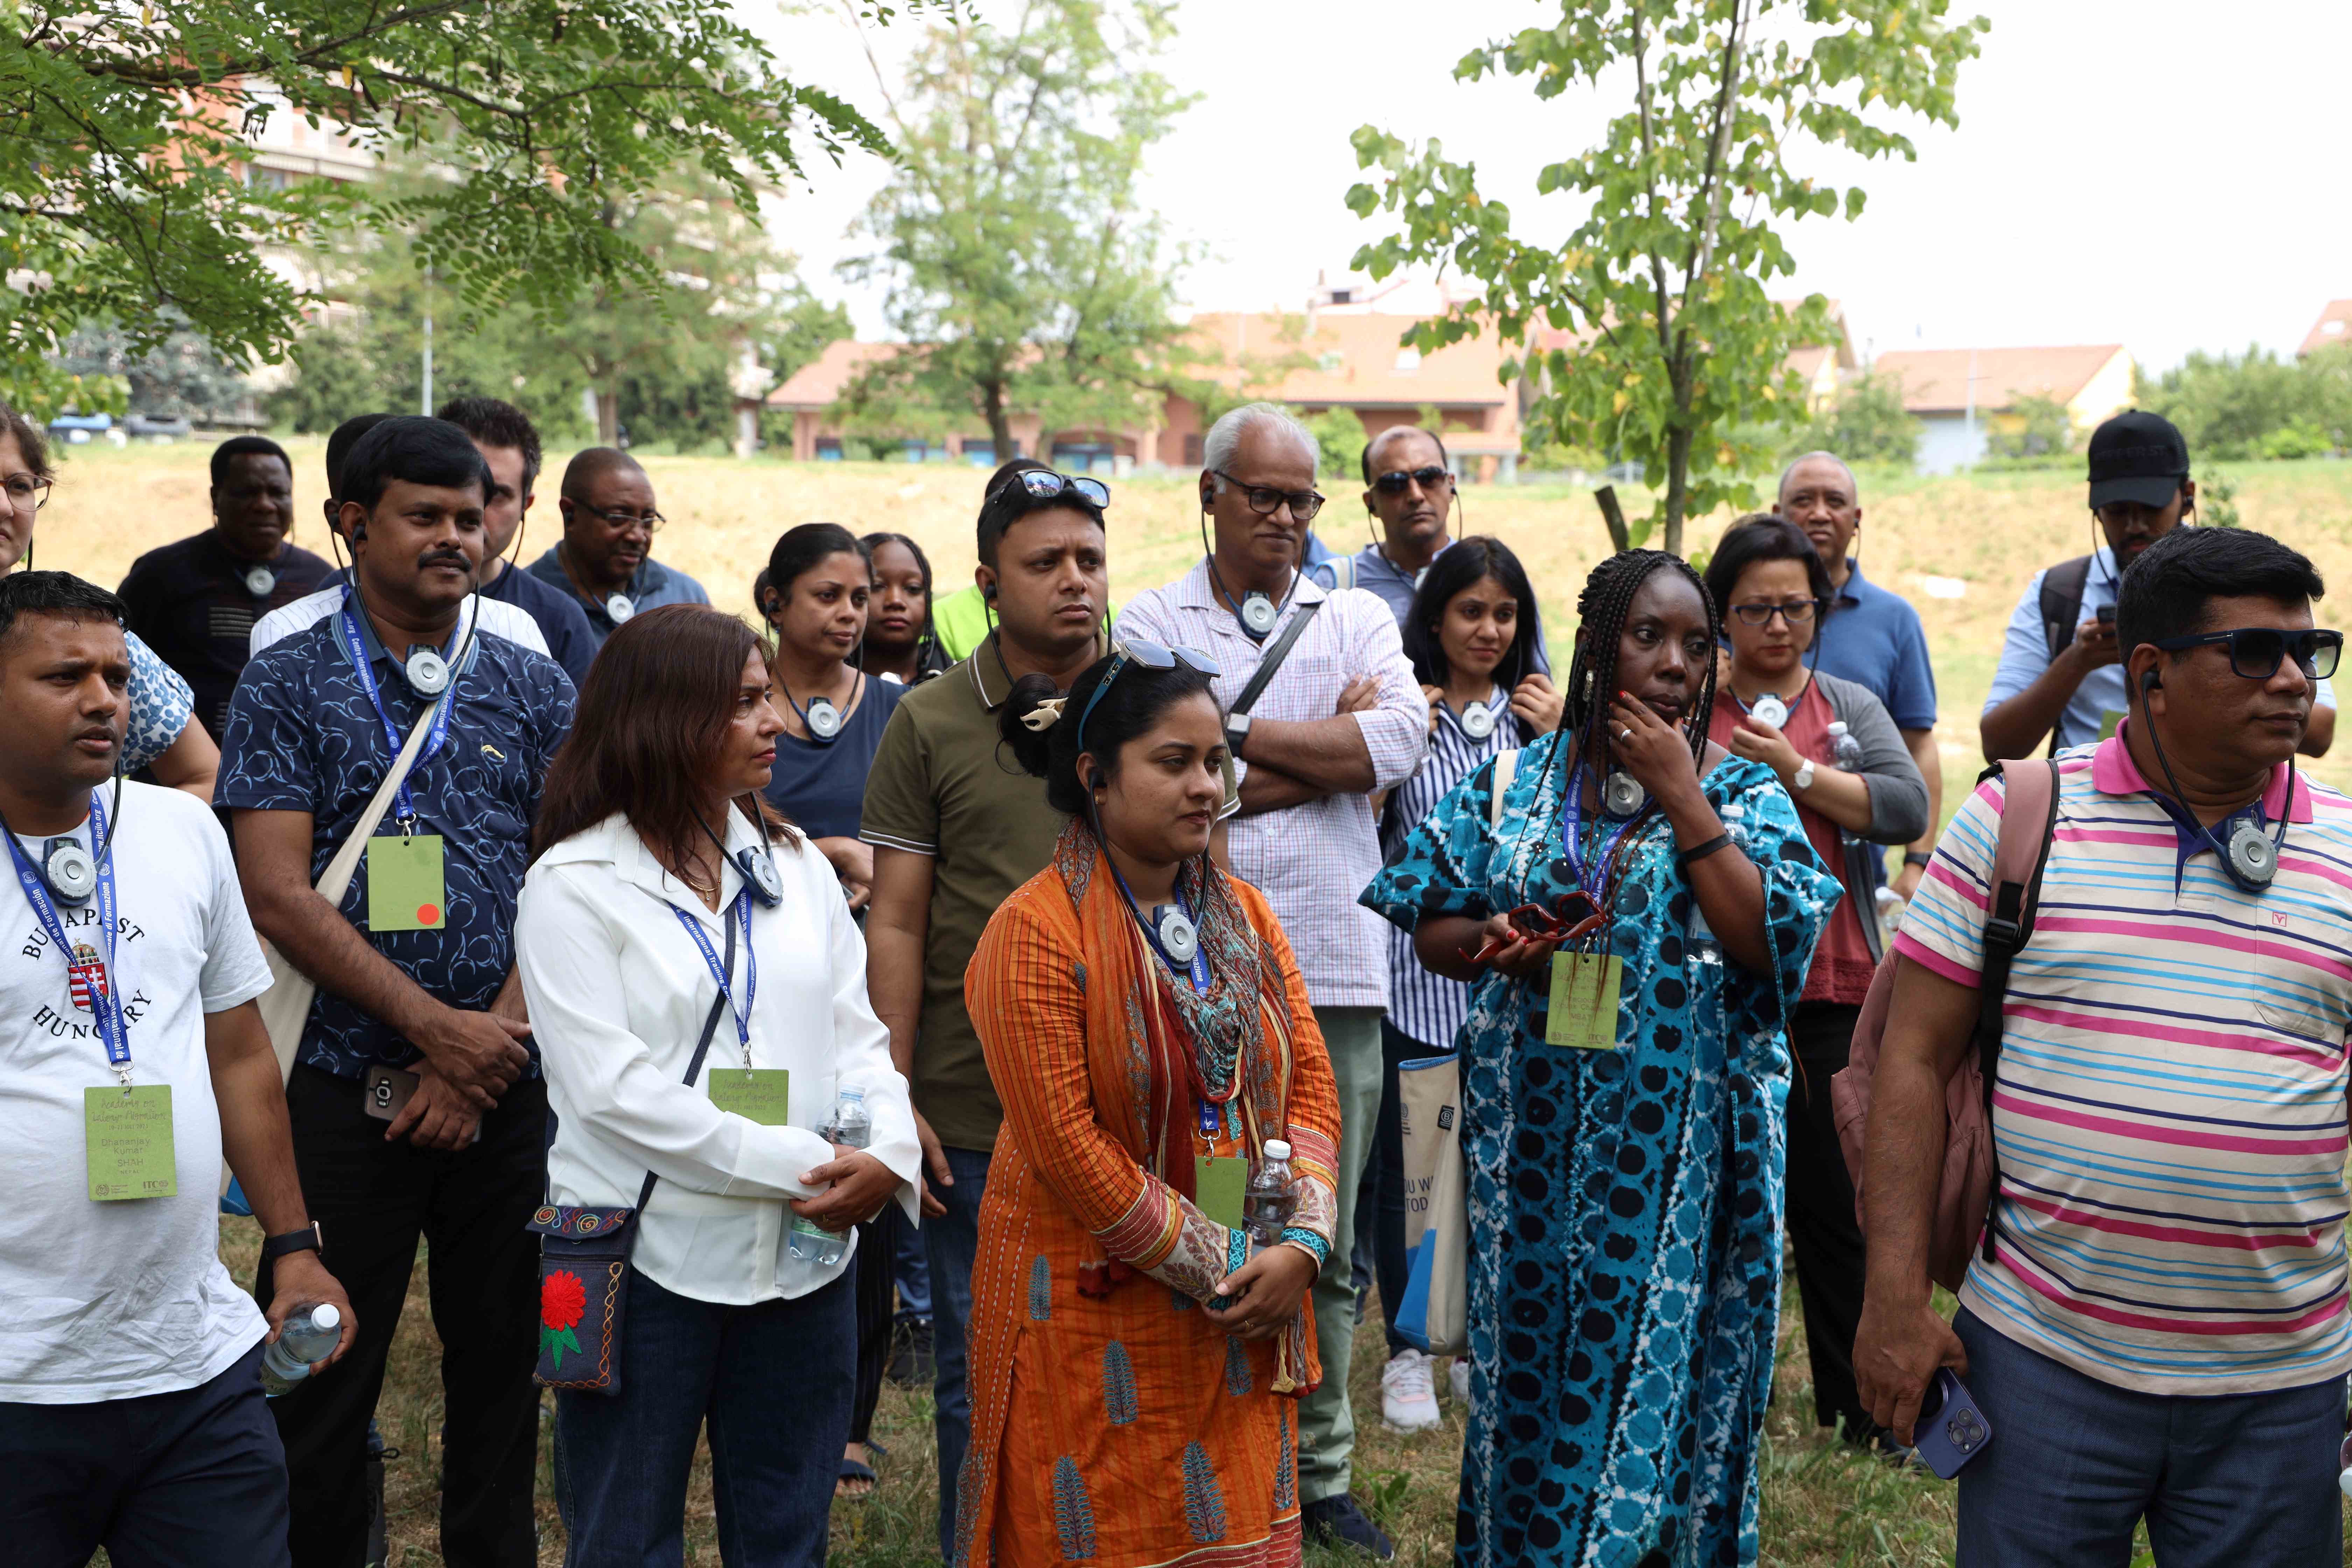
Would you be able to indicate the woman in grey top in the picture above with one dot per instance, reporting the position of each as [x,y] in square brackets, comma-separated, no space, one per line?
[1774,708]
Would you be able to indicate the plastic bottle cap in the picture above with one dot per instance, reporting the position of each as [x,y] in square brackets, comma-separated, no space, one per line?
[1275,1149]
[855,1094]
[1837,727]
[327,1315]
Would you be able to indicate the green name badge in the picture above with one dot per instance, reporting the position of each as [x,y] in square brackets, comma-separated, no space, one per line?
[763,1095]
[1583,1012]
[129,1135]
[1218,1181]
[2108,723]
[406,889]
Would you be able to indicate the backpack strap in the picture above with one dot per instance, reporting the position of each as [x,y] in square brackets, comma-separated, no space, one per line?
[2061,609]
[2029,820]
[1507,763]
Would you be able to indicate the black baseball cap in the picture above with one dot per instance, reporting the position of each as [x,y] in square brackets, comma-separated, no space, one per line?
[2137,456]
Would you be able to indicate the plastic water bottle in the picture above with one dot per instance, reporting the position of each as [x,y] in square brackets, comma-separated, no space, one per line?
[1271,1198]
[1845,749]
[1891,906]
[308,1334]
[852,1128]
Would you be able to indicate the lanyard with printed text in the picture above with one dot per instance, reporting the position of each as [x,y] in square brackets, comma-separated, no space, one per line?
[445,706]
[95,984]
[1571,822]
[719,971]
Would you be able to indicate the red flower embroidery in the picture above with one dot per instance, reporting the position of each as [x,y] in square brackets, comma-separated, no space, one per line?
[563,1299]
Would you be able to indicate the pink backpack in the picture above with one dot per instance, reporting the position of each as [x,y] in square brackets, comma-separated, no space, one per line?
[1971,1174]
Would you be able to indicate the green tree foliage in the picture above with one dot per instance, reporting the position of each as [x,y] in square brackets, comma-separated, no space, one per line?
[1867,424]
[1339,436]
[125,191]
[2047,430]
[2256,404]
[180,376]
[1023,270]
[1665,279]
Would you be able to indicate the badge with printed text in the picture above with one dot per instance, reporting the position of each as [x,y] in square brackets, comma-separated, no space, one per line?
[763,1095]
[1583,1012]
[128,1133]
[1218,1181]
[406,889]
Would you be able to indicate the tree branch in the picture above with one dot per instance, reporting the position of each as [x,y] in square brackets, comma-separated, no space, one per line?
[1710,191]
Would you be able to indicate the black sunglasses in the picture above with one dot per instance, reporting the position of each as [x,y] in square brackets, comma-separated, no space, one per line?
[1265,501]
[1045,484]
[1150,655]
[1795,612]
[2255,651]
[1393,483]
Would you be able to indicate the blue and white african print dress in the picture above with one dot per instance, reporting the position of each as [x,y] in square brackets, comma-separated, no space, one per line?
[1624,1206]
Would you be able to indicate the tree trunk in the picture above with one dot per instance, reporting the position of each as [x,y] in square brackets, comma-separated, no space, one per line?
[608,417]
[1000,419]
[1678,450]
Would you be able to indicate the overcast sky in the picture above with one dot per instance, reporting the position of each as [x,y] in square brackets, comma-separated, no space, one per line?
[2166,174]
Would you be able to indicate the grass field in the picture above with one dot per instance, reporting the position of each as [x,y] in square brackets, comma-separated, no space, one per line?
[1980,538]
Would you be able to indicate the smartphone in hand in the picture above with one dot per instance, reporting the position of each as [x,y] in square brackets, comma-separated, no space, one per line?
[1950,1430]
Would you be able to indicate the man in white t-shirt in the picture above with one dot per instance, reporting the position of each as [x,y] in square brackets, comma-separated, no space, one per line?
[132,1059]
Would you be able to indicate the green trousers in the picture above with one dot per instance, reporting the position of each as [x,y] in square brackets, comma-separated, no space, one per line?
[1326,1426]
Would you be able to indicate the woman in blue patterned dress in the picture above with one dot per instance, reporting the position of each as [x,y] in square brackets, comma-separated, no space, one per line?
[1624,1200]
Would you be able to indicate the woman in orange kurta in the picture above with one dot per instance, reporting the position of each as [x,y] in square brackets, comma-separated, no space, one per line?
[1134,1367]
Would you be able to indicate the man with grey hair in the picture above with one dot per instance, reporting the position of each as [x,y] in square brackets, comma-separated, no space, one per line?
[1338,715]
[1867,634]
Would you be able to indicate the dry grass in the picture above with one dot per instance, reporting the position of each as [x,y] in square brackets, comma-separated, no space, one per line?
[1822,1505]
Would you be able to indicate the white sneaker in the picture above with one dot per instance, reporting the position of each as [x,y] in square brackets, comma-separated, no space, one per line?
[1459,1376]
[1408,1398]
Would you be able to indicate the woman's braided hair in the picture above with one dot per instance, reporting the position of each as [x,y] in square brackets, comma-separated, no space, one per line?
[1602,608]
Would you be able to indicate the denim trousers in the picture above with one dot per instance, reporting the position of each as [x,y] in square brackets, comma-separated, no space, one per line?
[772,1380]
[2244,1480]
[953,1242]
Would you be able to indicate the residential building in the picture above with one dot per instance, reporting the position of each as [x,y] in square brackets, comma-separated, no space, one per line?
[1960,395]
[2334,326]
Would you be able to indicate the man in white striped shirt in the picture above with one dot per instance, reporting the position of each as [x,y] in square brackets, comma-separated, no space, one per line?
[1341,718]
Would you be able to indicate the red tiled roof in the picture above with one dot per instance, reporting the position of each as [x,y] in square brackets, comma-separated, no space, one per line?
[1937,381]
[2334,326]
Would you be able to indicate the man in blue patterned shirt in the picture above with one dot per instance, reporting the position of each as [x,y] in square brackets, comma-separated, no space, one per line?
[416,1101]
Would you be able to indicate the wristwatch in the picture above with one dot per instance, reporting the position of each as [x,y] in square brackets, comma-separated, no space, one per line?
[1805,773]
[1917,857]
[307,1239]
[1237,728]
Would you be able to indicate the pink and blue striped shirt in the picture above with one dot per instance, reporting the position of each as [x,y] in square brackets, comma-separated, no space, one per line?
[2170,1114]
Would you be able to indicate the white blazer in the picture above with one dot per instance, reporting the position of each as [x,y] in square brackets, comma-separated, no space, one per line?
[618,992]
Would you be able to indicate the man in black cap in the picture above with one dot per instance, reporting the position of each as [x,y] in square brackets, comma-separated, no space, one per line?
[2061,668]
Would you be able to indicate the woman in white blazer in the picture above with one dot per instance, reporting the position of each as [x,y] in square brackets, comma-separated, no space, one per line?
[658,867]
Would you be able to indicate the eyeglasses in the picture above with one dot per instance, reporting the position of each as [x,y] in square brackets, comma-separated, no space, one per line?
[1150,655]
[26,493]
[1265,501]
[1045,484]
[1795,612]
[622,522]
[2255,651]
[1393,483]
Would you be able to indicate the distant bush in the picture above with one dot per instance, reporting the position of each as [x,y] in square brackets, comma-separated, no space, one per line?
[1868,423]
[2256,404]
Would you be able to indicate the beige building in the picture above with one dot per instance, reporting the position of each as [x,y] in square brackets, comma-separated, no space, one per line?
[1960,396]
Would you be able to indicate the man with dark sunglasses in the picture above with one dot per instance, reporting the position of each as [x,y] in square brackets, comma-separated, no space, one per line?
[1339,717]
[1408,494]
[2158,1327]
[605,558]
[2060,665]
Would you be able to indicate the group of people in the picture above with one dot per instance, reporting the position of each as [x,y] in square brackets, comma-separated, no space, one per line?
[704,998]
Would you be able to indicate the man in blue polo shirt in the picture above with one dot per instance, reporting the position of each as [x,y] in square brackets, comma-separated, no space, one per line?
[417,1108]
[1870,637]
[510,445]
[605,559]
[1409,490]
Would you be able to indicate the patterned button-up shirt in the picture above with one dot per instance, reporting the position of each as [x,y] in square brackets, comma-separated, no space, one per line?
[1310,861]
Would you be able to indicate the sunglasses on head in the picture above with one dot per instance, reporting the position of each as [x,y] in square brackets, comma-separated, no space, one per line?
[1795,612]
[1150,655]
[1045,484]
[1393,483]
[1265,501]
[2255,652]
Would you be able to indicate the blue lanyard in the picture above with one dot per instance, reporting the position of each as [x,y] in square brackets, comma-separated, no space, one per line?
[719,971]
[1199,966]
[106,994]
[1570,820]
[444,707]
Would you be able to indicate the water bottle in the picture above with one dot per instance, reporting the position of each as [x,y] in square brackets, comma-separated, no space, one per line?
[851,1128]
[1891,906]
[1845,749]
[308,1334]
[1271,1198]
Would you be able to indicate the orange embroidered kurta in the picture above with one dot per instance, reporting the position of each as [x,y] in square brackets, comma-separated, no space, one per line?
[1117,1424]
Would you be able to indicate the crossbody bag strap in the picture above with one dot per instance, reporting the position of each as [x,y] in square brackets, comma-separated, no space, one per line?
[2029,822]
[701,1046]
[1275,654]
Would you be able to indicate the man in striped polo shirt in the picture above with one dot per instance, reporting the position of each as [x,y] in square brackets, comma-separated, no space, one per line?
[2160,1330]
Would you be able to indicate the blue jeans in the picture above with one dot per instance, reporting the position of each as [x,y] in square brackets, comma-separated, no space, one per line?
[954,1242]
[773,1381]
[2241,1480]
[912,1273]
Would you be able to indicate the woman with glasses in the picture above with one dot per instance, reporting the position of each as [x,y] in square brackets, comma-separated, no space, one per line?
[901,644]
[1773,587]
[162,737]
[1635,914]
[1136,1359]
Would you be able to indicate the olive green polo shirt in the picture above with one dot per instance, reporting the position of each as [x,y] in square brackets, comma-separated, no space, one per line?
[940,786]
